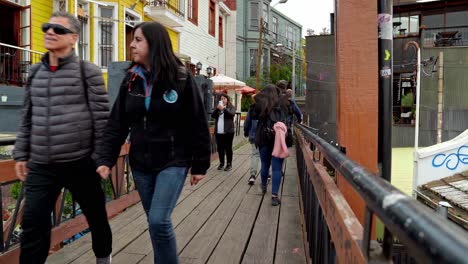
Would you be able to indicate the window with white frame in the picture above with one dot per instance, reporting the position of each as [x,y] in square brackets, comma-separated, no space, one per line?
[106,35]
[290,37]
[60,5]
[275,28]
[132,19]
[265,15]
[83,42]
[253,62]
[254,16]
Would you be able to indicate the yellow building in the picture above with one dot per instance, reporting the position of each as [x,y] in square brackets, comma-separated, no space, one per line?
[105,30]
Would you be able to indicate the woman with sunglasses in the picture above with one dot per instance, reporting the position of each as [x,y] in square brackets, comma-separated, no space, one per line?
[160,105]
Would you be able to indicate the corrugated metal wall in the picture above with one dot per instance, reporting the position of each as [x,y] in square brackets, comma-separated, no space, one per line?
[455,96]
[455,100]
[321,85]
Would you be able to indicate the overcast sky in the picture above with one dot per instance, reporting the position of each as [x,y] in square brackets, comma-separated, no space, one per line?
[313,14]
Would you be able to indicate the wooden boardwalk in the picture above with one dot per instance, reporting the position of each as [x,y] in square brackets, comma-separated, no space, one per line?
[220,220]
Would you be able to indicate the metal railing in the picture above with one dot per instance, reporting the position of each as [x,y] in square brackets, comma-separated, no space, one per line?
[334,234]
[444,37]
[67,219]
[15,63]
[175,6]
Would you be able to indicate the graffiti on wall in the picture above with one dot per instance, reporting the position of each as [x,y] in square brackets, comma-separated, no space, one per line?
[452,160]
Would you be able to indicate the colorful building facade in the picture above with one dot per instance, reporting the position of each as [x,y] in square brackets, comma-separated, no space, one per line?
[106,28]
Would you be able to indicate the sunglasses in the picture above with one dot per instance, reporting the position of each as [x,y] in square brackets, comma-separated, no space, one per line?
[58,29]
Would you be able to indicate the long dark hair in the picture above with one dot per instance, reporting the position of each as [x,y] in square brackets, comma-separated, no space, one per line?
[266,100]
[229,104]
[164,64]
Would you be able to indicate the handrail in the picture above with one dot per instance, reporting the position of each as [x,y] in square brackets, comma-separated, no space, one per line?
[15,63]
[123,195]
[23,49]
[428,237]
[451,27]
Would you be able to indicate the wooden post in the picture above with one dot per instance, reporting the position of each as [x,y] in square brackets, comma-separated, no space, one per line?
[440,97]
[259,54]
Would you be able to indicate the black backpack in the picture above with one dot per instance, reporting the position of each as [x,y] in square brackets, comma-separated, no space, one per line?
[265,133]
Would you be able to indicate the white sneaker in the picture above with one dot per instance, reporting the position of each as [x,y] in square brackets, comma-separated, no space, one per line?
[106,260]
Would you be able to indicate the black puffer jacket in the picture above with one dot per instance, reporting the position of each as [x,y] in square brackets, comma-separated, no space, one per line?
[168,134]
[57,124]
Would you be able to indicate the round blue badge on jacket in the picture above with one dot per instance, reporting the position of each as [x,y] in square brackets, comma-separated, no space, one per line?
[170,96]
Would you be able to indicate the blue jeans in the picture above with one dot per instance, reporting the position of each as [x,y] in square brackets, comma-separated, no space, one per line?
[276,166]
[159,194]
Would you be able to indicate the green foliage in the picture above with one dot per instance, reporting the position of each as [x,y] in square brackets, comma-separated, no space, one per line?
[246,102]
[280,72]
[407,99]
[252,82]
[15,190]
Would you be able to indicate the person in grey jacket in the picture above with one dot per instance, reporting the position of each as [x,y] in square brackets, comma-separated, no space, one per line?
[65,111]
[224,130]
[250,128]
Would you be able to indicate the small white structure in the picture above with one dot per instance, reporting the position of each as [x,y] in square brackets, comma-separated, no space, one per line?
[441,160]
[222,82]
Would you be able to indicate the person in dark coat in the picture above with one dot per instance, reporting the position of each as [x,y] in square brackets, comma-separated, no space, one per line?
[161,107]
[64,114]
[224,130]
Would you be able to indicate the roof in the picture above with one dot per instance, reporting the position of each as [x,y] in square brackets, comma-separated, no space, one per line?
[454,190]
[223,80]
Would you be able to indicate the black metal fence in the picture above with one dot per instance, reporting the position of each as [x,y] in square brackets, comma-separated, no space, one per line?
[445,37]
[332,235]
[119,184]
[15,63]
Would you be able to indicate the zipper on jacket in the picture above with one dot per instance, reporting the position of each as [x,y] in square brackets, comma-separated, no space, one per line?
[172,147]
[48,116]
[144,122]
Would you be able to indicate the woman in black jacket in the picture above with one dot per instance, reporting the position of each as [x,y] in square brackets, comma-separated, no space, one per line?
[224,130]
[160,105]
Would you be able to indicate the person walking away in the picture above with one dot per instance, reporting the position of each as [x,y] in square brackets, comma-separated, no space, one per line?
[64,114]
[250,126]
[270,108]
[294,110]
[224,130]
[161,106]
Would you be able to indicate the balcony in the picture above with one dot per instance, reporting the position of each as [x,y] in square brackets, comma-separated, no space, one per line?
[445,37]
[15,63]
[169,13]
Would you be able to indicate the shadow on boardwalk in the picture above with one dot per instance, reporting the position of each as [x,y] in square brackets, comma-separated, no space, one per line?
[220,220]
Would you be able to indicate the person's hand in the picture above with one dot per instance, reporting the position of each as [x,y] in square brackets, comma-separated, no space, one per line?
[220,107]
[103,171]
[196,178]
[21,170]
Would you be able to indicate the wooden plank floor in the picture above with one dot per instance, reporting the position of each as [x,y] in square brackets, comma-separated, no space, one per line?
[220,220]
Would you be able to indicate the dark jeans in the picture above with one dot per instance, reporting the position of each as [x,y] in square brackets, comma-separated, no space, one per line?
[224,144]
[276,165]
[42,187]
[159,193]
